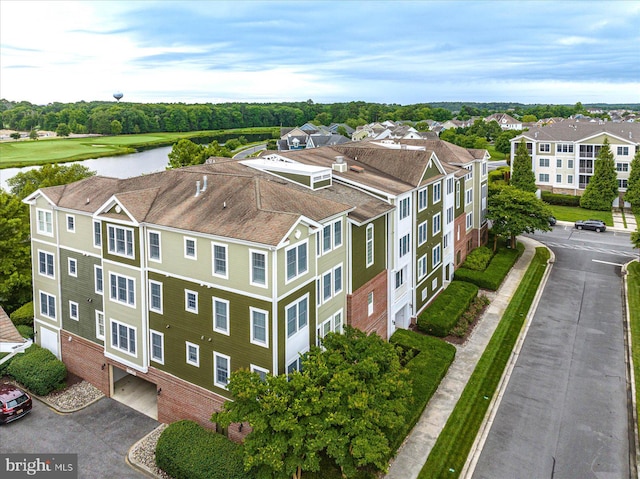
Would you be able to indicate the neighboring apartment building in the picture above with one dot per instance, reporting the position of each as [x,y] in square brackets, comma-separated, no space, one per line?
[183,276]
[563,154]
[506,122]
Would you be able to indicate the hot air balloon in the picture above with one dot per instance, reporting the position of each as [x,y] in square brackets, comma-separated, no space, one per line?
[118,95]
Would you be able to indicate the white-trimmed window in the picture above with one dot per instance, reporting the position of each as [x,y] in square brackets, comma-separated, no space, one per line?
[71,223]
[259,327]
[558,162]
[157,346]
[295,365]
[436,225]
[337,233]
[544,148]
[622,167]
[262,372]
[45,222]
[450,215]
[100,325]
[326,238]
[258,268]
[400,277]
[369,245]
[570,179]
[405,207]
[297,315]
[331,325]
[219,252]
[221,367]
[370,303]
[120,241]
[437,192]
[469,220]
[449,186]
[154,246]
[296,257]
[564,148]
[191,301]
[436,256]
[446,240]
[405,244]
[221,316]
[558,178]
[544,177]
[623,183]
[47,305]
[123,337]
[73,267]
[326,286]
[623,151]
[457,194]
[122,289]
[423,199]
[46,264]
[422,266]
[434,284]
[422,233]
[73,311]
[98,279]
[193,354]
[337,280]
[97,234]
[155,296]
[190,248]
[570,163]
[468,196]
[330,237]
[544,162]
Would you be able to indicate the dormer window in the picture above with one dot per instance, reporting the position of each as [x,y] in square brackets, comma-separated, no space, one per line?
[120,241]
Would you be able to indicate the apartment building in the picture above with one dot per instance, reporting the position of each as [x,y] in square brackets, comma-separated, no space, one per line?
[563,154]
[183,276]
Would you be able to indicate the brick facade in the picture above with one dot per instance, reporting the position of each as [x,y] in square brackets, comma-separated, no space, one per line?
[358,308]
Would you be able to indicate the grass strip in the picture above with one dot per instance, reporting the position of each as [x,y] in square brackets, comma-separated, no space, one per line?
[575,213]
[633,297]
[448,456]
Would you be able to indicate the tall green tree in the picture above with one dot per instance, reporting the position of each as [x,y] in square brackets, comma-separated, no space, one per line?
[33,134]
[522,176]
[25,183]
[185,153]
[635,238]
[15,252]
[513,212]
[349,398]
[602,189]
[632,194]
[63,129]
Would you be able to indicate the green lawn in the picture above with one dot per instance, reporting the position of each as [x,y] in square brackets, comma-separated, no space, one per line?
[633,296]
[575,213]
[448,456]
[495,155]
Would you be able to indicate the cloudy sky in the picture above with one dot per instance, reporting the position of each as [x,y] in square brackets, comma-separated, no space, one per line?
[528,51]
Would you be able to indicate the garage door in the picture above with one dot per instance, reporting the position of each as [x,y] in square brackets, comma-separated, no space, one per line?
[49,340]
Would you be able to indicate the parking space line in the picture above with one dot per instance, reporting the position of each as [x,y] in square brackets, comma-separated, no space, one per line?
[606,262]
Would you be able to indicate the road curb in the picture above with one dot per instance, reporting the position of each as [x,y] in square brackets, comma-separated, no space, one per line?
[485,427]
[634,461]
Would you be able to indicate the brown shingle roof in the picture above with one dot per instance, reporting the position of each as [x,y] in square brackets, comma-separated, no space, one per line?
[8,332]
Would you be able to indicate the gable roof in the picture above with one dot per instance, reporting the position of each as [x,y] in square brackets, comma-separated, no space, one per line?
[579,130]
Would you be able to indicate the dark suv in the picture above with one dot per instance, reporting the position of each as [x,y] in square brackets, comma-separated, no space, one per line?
[595,225]
[14,403]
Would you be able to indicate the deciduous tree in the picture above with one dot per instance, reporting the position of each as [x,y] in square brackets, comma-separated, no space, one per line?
[25,183]
[63,129]
[522,176]
[602,189]
[513,212]
[632,194]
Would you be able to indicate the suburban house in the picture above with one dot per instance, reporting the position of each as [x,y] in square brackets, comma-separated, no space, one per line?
[181,277]
[306,137]
[563,153]
[506,122]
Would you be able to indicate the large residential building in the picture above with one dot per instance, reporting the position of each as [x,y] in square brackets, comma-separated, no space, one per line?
[181,277]
[563,153]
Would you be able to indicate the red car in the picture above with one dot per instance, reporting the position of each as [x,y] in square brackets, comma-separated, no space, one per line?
[14,403]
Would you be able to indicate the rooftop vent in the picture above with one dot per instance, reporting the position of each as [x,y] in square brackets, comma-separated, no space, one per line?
[339,165]
[204,183]
[197,188]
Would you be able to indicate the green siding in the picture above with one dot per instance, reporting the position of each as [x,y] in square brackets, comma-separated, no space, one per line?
[80,289]
[135,261]
[282,320]
[459,200]
[431,171]
[198,329]
[322,184]
[300,179]
[361,274]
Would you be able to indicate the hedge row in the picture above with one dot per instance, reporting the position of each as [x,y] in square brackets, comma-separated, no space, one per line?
[492,277]
[23,315]
[561,200]
[38,370]
[478,259]
[186,450]
[443,313]
[431,358]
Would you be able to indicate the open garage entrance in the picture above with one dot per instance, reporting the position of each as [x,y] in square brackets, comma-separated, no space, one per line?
[134,391]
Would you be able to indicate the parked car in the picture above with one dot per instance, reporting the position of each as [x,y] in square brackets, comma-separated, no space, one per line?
[595,225]
[14,403]
[552,221]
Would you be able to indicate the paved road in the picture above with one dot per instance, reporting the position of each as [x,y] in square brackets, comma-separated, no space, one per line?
[565,409]
[100,434]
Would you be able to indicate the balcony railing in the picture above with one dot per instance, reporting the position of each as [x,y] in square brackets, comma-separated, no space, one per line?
[586,170]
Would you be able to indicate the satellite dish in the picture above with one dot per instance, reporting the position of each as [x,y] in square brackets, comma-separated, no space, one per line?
[118,95]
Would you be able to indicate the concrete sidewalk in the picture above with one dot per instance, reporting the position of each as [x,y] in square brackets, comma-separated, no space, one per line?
[618,222]
[414,452]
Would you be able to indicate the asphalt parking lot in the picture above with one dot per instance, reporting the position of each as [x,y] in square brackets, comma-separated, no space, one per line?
[100,434]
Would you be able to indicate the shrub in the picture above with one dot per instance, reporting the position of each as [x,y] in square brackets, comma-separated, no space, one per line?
[560,200]
[478,259]
[25,331]
[23,315]
[38,370]
[5,365]
[493,276]
[495,175]
[443,313]
[186,450]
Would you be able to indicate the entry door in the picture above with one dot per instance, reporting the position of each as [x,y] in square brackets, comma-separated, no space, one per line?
[49,340]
